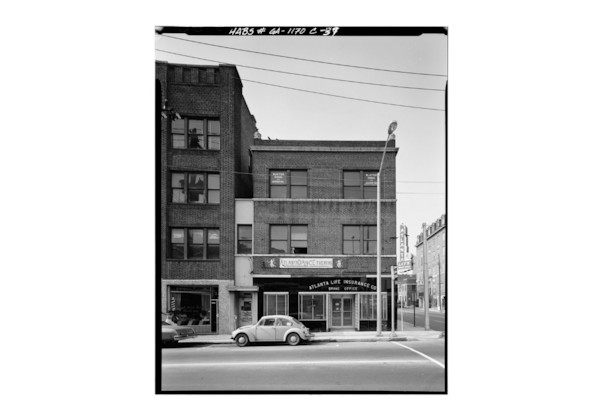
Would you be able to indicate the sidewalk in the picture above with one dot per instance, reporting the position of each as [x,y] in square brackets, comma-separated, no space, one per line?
[410,333]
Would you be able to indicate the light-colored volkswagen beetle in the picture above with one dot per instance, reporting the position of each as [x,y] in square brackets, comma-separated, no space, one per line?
[273,328]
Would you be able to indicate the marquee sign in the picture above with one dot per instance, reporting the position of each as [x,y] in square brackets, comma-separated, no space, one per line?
[342,285]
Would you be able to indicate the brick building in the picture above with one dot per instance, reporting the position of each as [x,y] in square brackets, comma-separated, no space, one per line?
[204,143]
[435,235]
[307,239]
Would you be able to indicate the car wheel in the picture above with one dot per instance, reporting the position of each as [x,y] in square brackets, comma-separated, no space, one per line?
[242,340]
[293,339]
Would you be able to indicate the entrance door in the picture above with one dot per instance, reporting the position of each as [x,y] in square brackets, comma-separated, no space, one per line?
[342,311]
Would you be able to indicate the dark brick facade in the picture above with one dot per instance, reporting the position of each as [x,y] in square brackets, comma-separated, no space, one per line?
[204,91]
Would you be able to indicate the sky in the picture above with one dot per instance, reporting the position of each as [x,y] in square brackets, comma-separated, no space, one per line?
[288,114]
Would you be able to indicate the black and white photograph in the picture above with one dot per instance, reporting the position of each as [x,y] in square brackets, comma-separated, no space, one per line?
[302,209]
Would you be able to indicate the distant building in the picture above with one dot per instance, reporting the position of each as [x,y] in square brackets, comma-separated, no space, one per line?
[436,264]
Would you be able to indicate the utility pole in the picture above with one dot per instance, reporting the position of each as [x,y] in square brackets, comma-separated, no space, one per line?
[439,283]
[425,278]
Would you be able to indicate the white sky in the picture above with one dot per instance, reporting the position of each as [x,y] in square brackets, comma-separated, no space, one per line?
[293,115]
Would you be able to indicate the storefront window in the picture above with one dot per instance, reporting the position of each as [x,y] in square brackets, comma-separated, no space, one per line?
[312,307]
[368,307]
[276,304]
[191,306]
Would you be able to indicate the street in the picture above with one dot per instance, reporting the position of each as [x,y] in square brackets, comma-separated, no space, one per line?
[437,320]
[335,366]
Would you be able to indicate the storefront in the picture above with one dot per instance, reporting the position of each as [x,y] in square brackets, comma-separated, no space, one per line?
[195,306]
[326,303]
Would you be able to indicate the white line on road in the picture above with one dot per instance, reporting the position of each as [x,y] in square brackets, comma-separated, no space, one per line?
[420,353]
[255,363]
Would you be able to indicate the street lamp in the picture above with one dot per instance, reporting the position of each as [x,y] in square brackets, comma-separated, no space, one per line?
[391,129]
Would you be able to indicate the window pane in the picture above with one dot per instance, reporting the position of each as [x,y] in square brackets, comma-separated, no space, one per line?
[352,193]
[177,236]
[278,247]
[279,177]
[195,236]
[177,126]
[196,180]
[196,127]
[351,247]
[300,250]
[214,236]
[370,247]
[279,232]
[352,232]
[177,251]
[196,142]
[281,305]
[196,196]
[178,195]
[299,192]
[370,232]
[370,179]
[177,180]
[214,197]
[278,191]
[299,243]
[299,177]
[212,252]
[214,127]
[351,178]
[196,252]
[214,181]
[244,247]
[370,193]
[214,142]
[299,232]
[178,141]
[245,232]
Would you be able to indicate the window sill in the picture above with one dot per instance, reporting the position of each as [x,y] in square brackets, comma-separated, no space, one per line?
[185,204]
[195,150]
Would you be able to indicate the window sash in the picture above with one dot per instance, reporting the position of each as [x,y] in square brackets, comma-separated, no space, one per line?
[195,188]
[288,239]
[196,133]
[186,245]
[364,241]
[312,307]
[356,187]
[275,304]
[289,184]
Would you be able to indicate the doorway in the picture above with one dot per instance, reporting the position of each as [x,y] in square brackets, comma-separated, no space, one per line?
[342,311]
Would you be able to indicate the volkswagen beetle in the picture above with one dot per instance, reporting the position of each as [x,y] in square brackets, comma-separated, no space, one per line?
[273,328]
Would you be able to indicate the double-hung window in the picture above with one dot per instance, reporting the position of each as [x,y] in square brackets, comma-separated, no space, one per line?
[276,304]
[288,239]
[195,187]
[288,184]
[195,243]
[196,133]
[359,239]
[360,184]
[244,239]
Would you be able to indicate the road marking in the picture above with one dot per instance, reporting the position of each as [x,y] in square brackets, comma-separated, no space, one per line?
[420,353]
[255,363]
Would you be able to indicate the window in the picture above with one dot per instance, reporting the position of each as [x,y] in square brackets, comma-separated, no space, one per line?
[289,184]
[360,239]
[289,239]
[195,187]
[276,304]
[312,307]
[368,307]
[195,243]
[189,133]
[360,184]
[244,239]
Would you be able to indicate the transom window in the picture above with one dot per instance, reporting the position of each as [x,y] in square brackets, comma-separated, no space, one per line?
[360,239]
[195,243]
[196,133]
[289,239]
[289,183]
[360,184]
[195,187]
[368,307]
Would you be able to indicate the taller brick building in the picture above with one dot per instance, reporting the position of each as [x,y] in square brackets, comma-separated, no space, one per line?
[435,237]
[204,147]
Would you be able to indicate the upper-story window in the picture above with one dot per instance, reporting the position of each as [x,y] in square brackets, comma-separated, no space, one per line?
[289,239]
[244,239]
[196,133]
[288,183]
[360,184]
[195,187]
[360,239]
[195,243]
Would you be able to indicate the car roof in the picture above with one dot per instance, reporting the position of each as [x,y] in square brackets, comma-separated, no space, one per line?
[277,316]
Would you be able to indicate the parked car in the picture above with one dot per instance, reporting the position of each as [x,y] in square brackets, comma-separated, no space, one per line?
[273,328]
[173,333]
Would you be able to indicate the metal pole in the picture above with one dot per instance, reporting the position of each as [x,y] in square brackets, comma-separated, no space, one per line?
[393,334]
[401,318]
[379,254]
[414,310]
[440,283]
[425,278]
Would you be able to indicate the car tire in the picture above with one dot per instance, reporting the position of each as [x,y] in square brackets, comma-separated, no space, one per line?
[293,339]
[242,340]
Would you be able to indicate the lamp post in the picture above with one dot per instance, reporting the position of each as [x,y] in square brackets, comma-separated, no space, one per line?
[391,129]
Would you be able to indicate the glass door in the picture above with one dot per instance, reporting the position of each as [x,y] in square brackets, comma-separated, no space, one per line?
[342,315]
